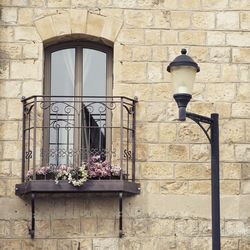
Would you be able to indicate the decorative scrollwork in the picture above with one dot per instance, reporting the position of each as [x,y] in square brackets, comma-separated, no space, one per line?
[127,154]
[28,154]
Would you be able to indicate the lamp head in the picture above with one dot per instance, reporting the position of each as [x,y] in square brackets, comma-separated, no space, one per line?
[183,70]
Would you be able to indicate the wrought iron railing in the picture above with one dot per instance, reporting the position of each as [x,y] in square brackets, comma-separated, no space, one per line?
[76,130]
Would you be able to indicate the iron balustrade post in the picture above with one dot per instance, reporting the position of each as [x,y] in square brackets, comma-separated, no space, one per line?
[215,182]
[34,137]
[134,138]
[32,229]
[215,170]
[120,215]
[23,140]
[121,139]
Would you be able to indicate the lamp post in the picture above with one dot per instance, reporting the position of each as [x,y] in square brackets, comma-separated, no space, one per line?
[183,70]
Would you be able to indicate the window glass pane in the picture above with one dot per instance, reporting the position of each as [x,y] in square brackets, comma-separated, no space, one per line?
[62,72]
[94,73]
[94,110]
[62,109]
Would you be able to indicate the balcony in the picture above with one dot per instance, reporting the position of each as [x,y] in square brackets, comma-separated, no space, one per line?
[72,132]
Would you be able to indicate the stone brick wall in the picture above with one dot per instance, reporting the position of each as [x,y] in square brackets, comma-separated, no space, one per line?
[173,210]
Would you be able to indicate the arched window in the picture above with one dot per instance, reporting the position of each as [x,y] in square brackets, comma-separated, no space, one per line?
[78,79]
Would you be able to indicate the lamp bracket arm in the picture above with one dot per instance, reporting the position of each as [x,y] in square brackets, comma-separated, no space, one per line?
[199,119]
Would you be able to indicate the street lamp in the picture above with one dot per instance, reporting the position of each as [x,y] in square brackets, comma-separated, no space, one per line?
[183,70]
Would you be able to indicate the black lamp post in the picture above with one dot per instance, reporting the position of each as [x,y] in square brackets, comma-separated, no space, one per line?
[183,71]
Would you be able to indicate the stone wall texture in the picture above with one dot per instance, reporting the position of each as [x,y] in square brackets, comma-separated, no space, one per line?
[173,210]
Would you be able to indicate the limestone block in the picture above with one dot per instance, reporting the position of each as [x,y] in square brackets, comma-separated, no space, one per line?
[230,73]
[247,132]
[245,187]
[173,187]
[118,13]
[161,92]
[197,243]
[141,111]
[123,90]
[243,93]
[227,20]
[230,187]
[156,170]
[221,92]
[10,244]
[200,187]
[189,133]
[227,152]
[177,152]
[141,152]
[156,152]
[106,227]
[124,4]
[130,71]
[3,110]
[229,244]
[192,37]
[23,33]
[4,228]
[239,4]
[162,19]
[156,112]
[25,16]
[43,229]
[37,3]
[151,187]
[216,38]
[31,50]
[238,39]
[111,28]
[245,174]
[205,227]
[8,130]
[244,244]
[14,109]
[3,188]
[245,20]
[241,110]
[141,53]
[242,152]
[139,18]
[78,19]
[152,37]
[199,54]
[241,55]
[105,243]
[186,227]
[194,4]
[204,108]
[231,170]
[200,152]
[9,15]
[214,4]
[159,53]
[19,228]
[12,150]
[180,19]
[167,132]
[26,69]
[232,131]
[234,228]
[45,28]
[104,3]
[169,37]
[10,89]
[203,20]
[95,24]
[6,34]
[244,73]
[4,69]
[129,243]
[5,169]
[223,109]
[66,227]
[220,55]
[154,73]
[62,25]
[58,3]
[39,244]
[122,52]
[192,171]
[10,51]
[160,227]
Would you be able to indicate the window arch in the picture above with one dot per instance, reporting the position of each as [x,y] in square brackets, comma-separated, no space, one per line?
[78,78]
